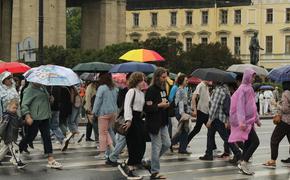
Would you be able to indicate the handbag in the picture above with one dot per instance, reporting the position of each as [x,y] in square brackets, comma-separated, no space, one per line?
[120,121]
[277,119]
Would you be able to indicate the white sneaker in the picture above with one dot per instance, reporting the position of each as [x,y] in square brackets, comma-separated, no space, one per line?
[13,161]
[243,166]
[65,142]
[54,165]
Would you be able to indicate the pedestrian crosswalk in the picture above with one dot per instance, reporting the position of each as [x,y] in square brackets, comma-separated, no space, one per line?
[80,161]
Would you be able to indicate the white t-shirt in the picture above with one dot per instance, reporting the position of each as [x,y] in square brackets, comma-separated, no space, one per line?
[203,93]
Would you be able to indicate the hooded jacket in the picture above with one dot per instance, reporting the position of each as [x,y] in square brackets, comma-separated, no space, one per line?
[243,109]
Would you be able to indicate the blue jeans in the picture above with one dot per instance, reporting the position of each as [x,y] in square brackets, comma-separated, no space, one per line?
[160,144]
[73,120]
[54,126]
[120,145]
[180,136]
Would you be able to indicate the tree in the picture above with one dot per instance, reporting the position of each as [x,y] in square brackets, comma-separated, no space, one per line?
[73,27]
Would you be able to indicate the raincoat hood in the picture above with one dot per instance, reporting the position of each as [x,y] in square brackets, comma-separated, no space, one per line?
[248,76]
[4,75]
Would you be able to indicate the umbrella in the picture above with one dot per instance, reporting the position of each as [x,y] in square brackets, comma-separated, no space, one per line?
[133,67]
[142,55]
[240,68]
[13,67]
[194,80]
[52,75]
[266,87]
[92,67]
[280,74]
[213,74]
[89,76]
[171,75]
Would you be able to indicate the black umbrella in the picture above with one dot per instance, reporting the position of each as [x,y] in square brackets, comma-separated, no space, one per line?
[89,76]
[93,67]
[213,74]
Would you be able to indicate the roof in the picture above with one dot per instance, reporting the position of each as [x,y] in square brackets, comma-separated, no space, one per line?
[183,4]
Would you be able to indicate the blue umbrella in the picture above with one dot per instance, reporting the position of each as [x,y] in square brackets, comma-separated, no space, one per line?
[266,87]
[281,74]
[133,67]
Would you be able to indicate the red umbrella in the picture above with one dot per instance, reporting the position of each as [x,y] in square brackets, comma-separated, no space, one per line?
[194,80]
[14,67]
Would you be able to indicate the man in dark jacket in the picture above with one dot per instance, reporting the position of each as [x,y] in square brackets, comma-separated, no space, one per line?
[156,108]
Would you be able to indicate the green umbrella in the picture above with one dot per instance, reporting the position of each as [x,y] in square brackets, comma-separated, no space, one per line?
[93,67]
[171,75]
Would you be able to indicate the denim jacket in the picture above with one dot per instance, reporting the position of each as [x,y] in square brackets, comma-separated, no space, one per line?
[105,101]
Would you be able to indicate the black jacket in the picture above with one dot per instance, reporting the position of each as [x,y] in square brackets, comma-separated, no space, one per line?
[155,117]
[14,122]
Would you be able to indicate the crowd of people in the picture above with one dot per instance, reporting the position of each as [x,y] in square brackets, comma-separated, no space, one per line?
[146,114]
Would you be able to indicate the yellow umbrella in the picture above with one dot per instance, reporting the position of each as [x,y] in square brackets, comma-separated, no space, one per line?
[142,55]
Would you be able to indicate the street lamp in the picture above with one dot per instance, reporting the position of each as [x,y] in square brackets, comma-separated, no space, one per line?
[40,32]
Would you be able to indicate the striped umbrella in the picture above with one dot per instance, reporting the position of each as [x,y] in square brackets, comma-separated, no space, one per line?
[142,55]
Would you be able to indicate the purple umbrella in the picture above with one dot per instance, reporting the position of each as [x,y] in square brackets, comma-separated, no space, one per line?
[281,74]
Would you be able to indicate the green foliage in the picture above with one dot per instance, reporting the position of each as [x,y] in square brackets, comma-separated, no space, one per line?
[199,56]
[73,27]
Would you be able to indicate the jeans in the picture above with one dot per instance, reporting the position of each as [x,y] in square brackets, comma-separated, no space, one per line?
[250,145]
[218,126]
[120,145]
[73,120]
[43,127]
[170,126]
[281,130]
[54,126]
[90,127]
[160,144]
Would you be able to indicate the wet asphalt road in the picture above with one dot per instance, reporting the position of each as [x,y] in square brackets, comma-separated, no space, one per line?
[80,163]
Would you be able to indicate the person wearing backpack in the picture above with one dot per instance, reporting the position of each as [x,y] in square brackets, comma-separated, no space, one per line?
[218,121]
[282,128]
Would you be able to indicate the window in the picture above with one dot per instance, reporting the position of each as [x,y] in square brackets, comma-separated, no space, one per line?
[269,16]
[223,16]
[287,45]
[135,40]
[188,44]
[135,19]
[288,15]
[173,18]
[269,44]
[238,17]
[204,40]
[154,19]
[204,17]
[224,41]
[189,18]
[237,45]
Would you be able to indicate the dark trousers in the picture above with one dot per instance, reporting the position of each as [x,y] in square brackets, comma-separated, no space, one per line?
[170,127]
[201,119]
[92,127]
[43,127]
[250,145]
[181,137]
[218,126]
[136,141]
[281,130]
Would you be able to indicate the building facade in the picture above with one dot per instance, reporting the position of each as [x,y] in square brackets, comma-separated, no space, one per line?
[232,23]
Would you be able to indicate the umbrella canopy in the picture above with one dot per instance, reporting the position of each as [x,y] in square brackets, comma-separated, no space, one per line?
[93,67]
[266,87]
[142,55]
[13,67]
[133,67]
[52,75]
[89,76]
[240,68]
[171,76]
[194,80]
[213,74]
[280,74]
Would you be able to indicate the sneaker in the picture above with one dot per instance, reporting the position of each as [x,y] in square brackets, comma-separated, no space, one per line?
[132,175]
[80,137]
[124,169]
[65,142]
[89,140]
[206,158]
[54,165]
[243,166]
[147,165]
[287,161]
[184,152]
[111,163]
[20,165]
[216,152]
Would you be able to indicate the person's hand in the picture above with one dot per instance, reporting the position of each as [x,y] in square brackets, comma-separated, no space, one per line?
[227,125]
[208,124]
[243,127]
[127,125]
[259,124]
[28,120]
[193,114]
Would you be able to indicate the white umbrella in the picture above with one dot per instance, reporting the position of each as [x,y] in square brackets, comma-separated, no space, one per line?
[240,68]
[52,75]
